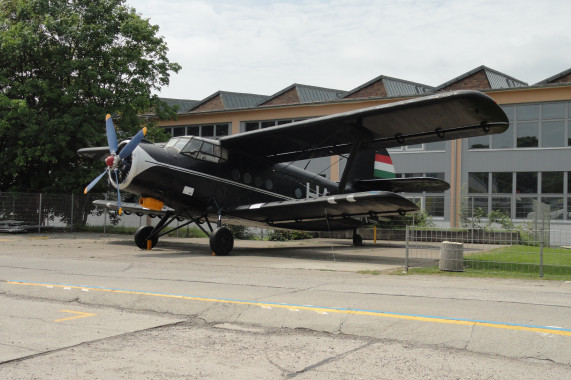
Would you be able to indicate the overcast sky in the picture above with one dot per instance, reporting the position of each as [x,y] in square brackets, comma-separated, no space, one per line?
[261,47]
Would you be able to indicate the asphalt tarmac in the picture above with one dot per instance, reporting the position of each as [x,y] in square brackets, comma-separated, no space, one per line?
[95,306]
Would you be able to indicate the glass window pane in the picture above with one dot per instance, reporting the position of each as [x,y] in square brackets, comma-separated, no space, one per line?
[252,126]
[207,131]
[553,111]
[553,133]
[480,204]
[414,147]
[527,135]
[528,112]
[480,142]
[526,183]
[222,130]
[503,204]
[556,210]
[435,206]
[477,182]
[266,124]
[504,140]
[523,207]
[509,110]
[193,130]
[179,131]
[181,143]
[552,182]
[438,145]
[502,182]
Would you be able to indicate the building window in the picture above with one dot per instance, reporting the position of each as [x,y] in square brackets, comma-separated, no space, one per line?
[503,204]
[542,125]
[248,126]
[524,207]
[553,134]
[504,140]
[528,112]
[556,210]
[528,135]
[435,206]
[502,182]
[552,182]
[526,183]
[480,142]
[477,182]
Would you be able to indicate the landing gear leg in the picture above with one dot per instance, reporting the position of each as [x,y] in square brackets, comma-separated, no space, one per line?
[357,239]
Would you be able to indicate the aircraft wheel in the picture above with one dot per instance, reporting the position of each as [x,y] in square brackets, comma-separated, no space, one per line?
[141,236]
[357,240]
[221,241]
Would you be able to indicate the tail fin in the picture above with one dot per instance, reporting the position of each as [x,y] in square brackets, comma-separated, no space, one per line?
[374,170]
[384,167]
[369,164]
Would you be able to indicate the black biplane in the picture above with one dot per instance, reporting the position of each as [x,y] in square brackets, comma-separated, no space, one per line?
[248,178]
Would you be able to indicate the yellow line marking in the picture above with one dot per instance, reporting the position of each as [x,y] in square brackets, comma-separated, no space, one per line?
[38,238]
[320,310]
[79,315]
[3,240]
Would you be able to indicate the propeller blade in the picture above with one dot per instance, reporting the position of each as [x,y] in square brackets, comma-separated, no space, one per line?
[111,135]
[131,145]
[94,182]
[118,192]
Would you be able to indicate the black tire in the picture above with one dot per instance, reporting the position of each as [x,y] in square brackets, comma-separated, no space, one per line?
[221,241]
[141,236]
[357,240]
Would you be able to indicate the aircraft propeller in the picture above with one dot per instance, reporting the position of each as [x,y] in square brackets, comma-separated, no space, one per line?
[114,160]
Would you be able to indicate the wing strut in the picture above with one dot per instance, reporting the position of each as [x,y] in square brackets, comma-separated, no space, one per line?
[349,166]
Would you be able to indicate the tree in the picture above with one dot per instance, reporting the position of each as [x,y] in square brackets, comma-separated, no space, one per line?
[64,64]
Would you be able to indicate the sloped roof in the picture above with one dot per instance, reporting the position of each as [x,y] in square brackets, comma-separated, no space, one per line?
[562,77]
[495,80]
[390,87]
[301,94]
[224,100]
[183,104]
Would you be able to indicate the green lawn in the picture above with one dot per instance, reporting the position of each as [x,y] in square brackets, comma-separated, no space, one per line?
[521,259]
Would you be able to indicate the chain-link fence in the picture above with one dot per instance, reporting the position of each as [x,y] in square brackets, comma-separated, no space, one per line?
[521,251]
[21,212]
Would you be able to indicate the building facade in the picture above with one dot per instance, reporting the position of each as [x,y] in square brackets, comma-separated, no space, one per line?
[530,162]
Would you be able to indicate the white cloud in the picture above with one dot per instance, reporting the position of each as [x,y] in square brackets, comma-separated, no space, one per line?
[264,46]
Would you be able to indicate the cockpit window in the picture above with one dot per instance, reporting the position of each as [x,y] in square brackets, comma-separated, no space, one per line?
[192,146]
[180,144]
[171,142]
[199,148]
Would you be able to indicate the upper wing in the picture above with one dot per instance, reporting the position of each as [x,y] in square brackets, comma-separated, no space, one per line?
[328,212]
[445,116]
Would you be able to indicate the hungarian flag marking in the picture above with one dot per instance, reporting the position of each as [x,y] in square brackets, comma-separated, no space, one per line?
[384,167]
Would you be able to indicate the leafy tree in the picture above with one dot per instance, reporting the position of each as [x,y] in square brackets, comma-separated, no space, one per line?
[64,64]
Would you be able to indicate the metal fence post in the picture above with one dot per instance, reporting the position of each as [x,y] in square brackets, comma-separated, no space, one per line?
[40,215]
[541,254]
[406,249]
[71,212]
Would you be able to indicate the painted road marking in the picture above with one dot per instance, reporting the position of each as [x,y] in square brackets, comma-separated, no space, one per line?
[323,309]
[79,315]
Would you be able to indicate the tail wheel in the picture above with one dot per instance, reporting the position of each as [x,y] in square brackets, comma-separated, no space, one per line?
[221,241]
[142,235]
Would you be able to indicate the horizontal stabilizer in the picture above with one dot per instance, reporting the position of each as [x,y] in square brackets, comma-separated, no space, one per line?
[403,185]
